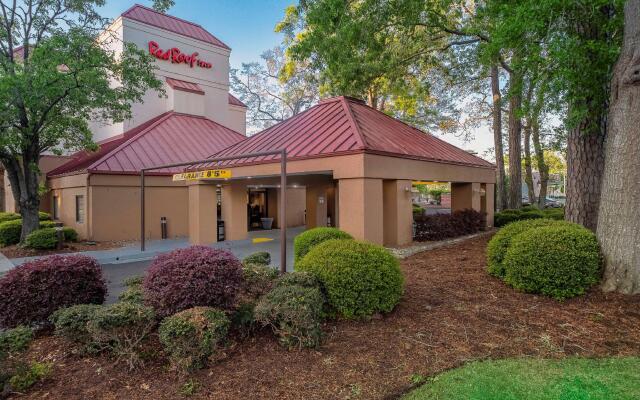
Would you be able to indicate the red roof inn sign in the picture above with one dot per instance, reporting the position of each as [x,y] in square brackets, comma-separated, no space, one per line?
[176,56]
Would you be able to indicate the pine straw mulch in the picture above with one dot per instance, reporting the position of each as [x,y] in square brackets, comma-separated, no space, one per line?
[452,312]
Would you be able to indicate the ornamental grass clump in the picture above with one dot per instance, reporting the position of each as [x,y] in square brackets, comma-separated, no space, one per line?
[191,336]
[305,241]
[500,242]
[559,261]
[31,292]
[191,277]
[360,279]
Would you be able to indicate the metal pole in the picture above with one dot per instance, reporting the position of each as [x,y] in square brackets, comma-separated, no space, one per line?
[283,213]
[142,210]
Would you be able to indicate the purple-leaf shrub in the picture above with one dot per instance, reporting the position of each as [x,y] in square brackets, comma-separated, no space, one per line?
[34,290]
[443,226]
[192,277]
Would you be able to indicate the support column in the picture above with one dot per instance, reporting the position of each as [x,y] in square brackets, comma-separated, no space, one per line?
[360,208]
[397,212]
[202,214]
[489,202]
[465,196]
[234,211]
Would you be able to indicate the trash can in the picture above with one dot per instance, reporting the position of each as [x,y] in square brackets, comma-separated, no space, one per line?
[266,223]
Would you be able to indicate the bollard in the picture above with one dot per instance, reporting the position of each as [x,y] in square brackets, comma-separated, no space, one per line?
[59,236]
[163,227]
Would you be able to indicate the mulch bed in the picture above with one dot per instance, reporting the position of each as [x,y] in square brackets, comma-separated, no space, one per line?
[17,251]
[452,312]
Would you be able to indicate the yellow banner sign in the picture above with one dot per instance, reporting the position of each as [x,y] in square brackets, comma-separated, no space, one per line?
[418,183]
[207,174]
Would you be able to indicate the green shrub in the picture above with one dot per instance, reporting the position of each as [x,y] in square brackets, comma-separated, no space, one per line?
[133,291]
[498,245]
[120,328]
[10,232]
[529,208]
[15,340]
[259,258]
[27,375]
[360,278]
[554,213]
[70,234]
[7,216]
[42,239]
[532,214]
[47,224]
[305,241]
[243,319]
[71,322]
[506,217]
[43,216]
[559,261]
[299,278]
[192,335]
[294,313]
[257,280]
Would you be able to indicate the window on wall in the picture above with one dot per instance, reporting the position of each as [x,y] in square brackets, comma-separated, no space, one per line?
[80,209]
[56,201]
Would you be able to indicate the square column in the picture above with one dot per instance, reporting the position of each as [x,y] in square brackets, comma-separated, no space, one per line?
[489,202]
[234,211]
[360,208]
[465,196]
[202,214]
[397,212]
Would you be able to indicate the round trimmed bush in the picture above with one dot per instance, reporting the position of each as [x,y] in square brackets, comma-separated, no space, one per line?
[71,322]
[31,292]
[43,216]
[191,277]
[312,237]
[499,243]
[47,224]
[294,313]
[360,279]
[554,213]
[559,261]
[10,232]
[192,335]
[45,238]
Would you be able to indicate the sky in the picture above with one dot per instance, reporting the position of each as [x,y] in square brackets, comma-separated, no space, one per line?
[247,27]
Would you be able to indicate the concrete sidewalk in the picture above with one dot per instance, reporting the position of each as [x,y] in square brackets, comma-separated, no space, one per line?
[268,241]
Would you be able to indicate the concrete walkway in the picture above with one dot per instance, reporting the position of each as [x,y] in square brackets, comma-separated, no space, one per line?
[257,241]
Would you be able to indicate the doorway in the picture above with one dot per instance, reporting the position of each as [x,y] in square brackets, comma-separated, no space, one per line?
[257,208]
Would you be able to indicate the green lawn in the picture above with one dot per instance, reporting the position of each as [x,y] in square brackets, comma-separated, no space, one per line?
[535,379]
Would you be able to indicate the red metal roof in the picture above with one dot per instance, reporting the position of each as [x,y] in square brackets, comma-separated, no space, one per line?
[342,125]
[168,138]
[235,101]
[185,86]
[170,23]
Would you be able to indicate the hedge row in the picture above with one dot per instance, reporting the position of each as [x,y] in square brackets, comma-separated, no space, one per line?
[43,238]
[443,226]
[507,216]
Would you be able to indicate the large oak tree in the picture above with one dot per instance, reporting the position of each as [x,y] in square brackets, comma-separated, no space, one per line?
[619,217]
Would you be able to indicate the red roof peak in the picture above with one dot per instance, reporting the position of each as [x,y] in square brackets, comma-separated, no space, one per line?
[170,23]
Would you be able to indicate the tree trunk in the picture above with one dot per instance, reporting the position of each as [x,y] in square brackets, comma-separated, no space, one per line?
[619,217]
[25,182]
[543,168]
[585,164]
[501,188]
[515,142]
[528,171]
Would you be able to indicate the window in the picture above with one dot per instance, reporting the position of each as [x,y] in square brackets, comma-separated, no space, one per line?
[80,209]
[56,204]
